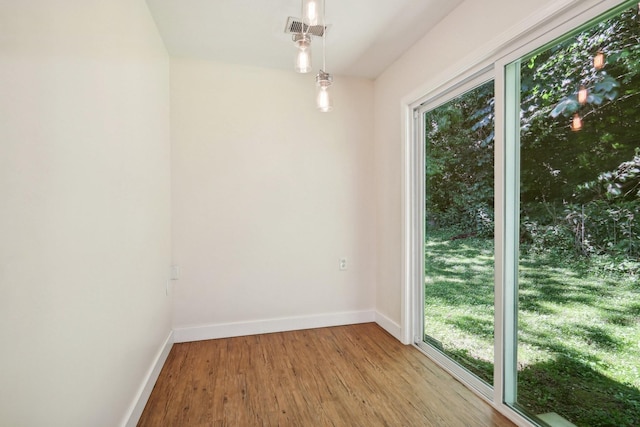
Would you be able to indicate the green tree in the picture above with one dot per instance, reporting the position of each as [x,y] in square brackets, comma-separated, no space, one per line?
[459,162]
[554,159]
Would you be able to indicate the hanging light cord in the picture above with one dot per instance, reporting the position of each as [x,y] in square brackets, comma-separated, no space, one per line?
[324,36]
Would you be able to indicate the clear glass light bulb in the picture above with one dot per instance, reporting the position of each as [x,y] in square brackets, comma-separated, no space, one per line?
[323,99]
[303,56]
[311,12]
[303,61]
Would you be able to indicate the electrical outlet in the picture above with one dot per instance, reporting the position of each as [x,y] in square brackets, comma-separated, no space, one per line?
[175,272]
[342,264]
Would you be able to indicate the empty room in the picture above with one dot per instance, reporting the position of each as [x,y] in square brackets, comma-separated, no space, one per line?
[319,213]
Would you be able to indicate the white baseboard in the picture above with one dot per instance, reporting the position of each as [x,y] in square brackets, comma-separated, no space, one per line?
[389,325]
[135,411]
[227,330]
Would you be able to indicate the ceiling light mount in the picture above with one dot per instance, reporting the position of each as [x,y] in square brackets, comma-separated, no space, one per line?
[296,26]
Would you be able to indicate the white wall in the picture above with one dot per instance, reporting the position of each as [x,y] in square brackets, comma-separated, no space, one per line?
[267,194]
[84,209]
[463,37]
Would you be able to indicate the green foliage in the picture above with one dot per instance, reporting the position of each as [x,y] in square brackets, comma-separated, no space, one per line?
[555,160]
[606,87]
[459,162]
[603,227]
[623,183]
[545,238]
[603,218]
[585,178]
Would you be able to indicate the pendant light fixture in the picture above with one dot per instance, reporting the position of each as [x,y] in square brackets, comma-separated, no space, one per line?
[302,40]
[303,58]
[312,23]
[324,79]
[323,96]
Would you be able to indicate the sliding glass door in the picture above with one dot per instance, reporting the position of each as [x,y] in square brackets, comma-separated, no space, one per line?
[458,293]
[578,295]
[524,234]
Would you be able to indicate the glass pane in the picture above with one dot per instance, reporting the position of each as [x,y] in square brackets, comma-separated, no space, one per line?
[579,291]
[459,306]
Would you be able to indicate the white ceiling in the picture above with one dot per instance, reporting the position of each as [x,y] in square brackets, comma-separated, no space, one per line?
[364,38]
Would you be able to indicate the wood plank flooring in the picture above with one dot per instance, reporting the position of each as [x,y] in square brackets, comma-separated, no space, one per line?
[356,375]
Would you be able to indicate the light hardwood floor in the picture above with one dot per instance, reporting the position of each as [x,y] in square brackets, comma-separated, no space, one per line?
[355,375]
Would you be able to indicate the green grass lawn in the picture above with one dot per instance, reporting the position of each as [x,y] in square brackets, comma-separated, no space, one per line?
[578,328]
